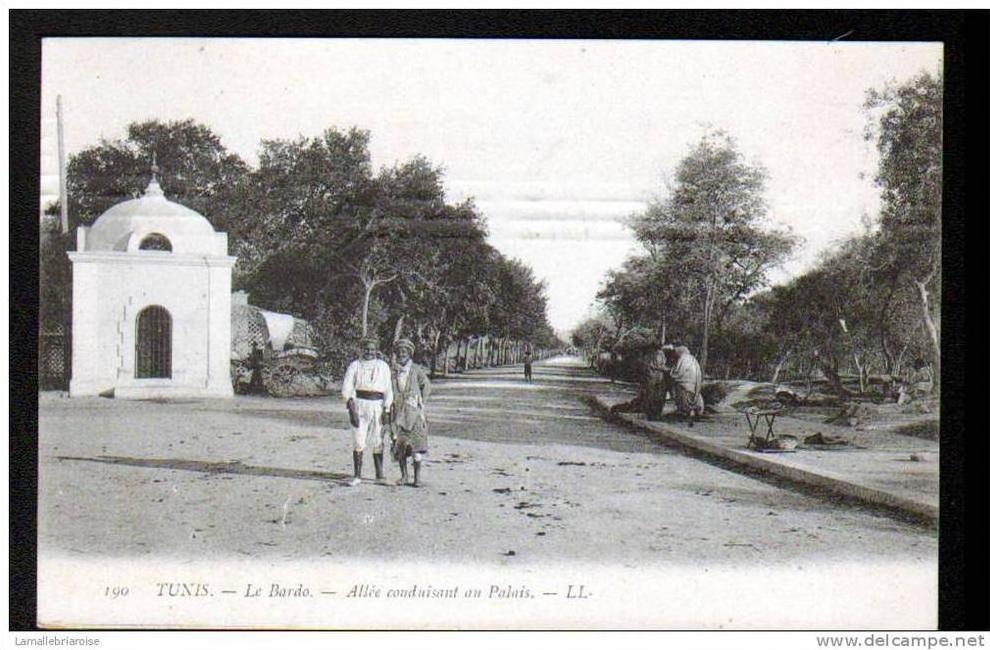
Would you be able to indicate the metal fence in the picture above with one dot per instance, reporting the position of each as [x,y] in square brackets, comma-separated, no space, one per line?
[54,359]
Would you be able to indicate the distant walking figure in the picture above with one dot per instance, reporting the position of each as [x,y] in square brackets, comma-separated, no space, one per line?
[528,365]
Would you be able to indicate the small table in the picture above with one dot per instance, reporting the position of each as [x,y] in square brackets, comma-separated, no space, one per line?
[753,416]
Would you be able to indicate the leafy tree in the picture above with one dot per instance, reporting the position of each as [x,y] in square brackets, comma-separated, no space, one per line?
[303,200]
[710,231]
[319,235]
[196,170]
[403,237]
[594,335]
[55,277]
[649,292]
[908,133]
[464,297]
[303,208]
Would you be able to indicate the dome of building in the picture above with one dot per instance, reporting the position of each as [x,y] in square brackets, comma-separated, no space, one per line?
[152,223]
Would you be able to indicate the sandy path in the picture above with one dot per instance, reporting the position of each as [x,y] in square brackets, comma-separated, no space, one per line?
[517,472]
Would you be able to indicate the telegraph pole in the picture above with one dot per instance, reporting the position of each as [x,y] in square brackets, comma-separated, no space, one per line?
[62,191]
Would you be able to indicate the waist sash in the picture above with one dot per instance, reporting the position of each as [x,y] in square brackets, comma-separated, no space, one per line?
[370,394]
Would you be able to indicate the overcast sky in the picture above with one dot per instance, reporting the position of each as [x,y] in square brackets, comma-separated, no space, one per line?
[557,141]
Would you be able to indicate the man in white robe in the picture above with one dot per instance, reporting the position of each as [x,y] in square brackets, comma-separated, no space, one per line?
[367,390]
[686,379]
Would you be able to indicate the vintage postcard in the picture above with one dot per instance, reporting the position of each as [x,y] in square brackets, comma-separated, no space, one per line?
[489,334]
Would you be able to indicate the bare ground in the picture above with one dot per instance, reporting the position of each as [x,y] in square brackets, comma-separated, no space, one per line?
[517,472]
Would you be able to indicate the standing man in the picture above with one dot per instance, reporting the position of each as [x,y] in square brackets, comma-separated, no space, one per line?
[528,364]
[367,389]
[411,385]
[256,361]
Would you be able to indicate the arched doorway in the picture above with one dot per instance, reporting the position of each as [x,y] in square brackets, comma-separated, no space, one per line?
[153,348]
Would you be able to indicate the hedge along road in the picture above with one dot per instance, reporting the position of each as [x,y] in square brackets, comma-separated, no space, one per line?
[517,472]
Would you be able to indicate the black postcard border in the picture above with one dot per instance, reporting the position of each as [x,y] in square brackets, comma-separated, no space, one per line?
[964,573]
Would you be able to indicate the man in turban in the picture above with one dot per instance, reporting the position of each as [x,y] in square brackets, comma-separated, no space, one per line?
[652,394]
[411,386]
[654,390]
[686,379]
[367,389]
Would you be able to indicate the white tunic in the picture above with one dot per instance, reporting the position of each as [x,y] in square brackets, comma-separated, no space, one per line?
[368,374]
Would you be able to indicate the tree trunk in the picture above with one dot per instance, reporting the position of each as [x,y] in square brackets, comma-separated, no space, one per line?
[831,371]
[397,333]
[436,352]
[778,367]
[888,359]
[932,329]
[457,356]
[861,370]
[368,287]
[809,376]
[706,324]
[899,362]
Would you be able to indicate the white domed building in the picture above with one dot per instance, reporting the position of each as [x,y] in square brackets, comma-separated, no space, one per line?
[151,284]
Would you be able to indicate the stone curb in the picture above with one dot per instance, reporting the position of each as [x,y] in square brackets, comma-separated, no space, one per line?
[822,480]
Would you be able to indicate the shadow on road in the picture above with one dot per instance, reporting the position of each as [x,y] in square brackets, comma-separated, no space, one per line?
[208,467]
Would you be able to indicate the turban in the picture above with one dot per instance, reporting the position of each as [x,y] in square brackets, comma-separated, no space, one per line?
[405,343]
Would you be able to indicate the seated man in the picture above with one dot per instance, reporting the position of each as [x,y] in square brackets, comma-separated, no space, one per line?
[686,379]
[652,393]
[656,387]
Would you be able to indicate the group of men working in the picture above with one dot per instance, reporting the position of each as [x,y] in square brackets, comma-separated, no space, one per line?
[672,370]
[380,396]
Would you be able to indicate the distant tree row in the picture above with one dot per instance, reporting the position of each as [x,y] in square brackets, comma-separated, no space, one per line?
[871,305]
[319,234]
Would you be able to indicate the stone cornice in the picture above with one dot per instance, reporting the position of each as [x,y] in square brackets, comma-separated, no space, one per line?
[148,257]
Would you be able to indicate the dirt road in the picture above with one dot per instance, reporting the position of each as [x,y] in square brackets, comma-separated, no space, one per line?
[517,472]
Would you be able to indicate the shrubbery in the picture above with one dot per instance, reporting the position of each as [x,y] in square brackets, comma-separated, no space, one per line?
[713,393]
